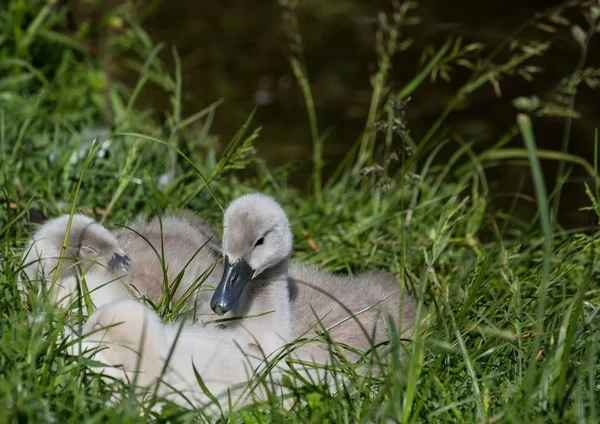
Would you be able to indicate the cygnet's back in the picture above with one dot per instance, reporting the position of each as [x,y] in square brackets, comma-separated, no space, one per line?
[373,296]
[218,356]
[134,344]
[182,241]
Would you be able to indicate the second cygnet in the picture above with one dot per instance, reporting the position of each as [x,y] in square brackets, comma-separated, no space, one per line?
[287,302]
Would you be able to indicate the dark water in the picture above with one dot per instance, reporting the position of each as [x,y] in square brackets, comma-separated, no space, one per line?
[237,50]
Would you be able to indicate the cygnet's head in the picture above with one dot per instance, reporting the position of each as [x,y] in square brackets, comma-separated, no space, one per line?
[256,237]
[88,240]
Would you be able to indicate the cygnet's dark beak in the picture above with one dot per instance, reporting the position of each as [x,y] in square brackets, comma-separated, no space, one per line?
[235,277]
[119,263]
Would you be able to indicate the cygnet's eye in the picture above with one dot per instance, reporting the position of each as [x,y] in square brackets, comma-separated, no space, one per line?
[259,241]
[87,251]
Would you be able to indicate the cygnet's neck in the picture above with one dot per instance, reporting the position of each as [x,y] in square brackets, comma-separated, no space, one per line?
[268,294]
[268,288]
[278,271]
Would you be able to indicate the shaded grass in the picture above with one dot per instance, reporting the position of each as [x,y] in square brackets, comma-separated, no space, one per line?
[513,334]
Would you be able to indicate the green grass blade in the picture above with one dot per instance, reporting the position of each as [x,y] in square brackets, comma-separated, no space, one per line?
[526,129]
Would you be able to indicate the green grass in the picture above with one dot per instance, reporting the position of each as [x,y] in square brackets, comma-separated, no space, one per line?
[513,333]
